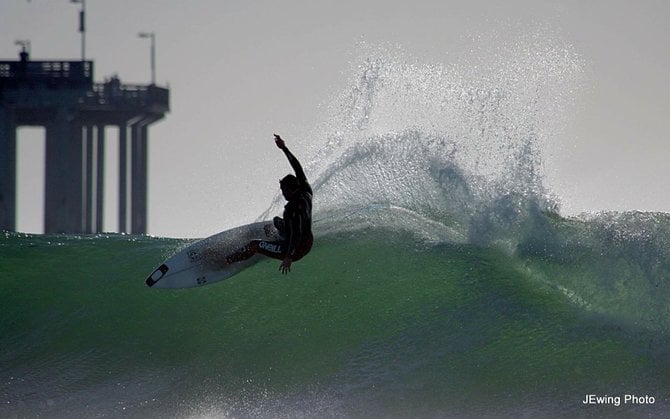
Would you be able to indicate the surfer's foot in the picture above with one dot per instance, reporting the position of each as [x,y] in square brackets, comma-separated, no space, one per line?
[230,259]
[241,254]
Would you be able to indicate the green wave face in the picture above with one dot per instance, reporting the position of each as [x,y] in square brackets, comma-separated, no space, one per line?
[367,324]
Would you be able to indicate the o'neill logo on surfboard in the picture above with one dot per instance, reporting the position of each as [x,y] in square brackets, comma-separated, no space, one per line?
[270,247]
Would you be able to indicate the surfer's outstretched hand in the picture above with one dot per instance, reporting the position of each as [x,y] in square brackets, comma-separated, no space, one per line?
[280,143]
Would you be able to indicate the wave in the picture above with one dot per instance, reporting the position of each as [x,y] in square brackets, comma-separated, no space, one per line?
[372,322]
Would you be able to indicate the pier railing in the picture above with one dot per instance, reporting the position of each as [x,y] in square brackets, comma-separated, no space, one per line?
[112,93]
[37,82]
[71,74]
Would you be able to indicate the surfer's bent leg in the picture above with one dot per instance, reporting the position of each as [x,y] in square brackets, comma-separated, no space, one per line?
[271,249]
[243,253]
[279,225]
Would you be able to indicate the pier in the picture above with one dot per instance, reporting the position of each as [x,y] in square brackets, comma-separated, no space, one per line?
[62,97]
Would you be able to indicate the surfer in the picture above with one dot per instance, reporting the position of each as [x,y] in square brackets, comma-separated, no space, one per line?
[295,228]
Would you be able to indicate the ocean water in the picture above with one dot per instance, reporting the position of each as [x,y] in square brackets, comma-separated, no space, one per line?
[444,281]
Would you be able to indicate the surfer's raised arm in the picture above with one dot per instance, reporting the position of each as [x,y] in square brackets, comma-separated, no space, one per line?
[295,164]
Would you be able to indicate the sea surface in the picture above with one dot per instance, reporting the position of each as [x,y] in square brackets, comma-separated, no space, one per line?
[444,280]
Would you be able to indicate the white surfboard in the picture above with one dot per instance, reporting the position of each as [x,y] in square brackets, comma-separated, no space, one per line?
[204,262]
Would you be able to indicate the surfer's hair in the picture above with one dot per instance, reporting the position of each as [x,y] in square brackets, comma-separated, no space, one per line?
[290,182]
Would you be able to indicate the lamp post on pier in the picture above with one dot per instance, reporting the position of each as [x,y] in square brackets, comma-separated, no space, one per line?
[151,36]
[82,26]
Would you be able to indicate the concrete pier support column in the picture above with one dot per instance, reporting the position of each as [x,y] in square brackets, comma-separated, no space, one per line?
[89,193]
[100,180]
[63,212]
[75,181]
[139,175]
[7,170]
[54,201]
[123,178]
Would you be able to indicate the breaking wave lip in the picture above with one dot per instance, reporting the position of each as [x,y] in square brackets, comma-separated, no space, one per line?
[442,141]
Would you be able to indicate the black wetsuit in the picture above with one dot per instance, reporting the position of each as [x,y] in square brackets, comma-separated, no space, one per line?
[296,225]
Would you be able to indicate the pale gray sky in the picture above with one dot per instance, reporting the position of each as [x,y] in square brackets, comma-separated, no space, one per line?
[241,70]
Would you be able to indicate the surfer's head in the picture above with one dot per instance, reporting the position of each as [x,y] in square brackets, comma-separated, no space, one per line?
[289,184]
